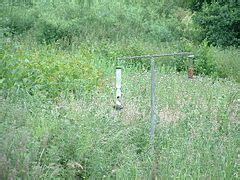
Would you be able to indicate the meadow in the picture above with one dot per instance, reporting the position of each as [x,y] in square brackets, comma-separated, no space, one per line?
[196,136]
[57,91]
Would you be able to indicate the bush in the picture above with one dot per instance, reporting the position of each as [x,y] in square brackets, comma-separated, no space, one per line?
[109,20]
[17,21]
[209,60]
[219,24]
[60,25]
[203,62]
[49,70]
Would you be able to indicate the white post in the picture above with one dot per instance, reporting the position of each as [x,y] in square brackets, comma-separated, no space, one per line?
[118,105]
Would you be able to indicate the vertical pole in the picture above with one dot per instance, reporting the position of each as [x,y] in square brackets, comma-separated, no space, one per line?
[118,105]
[152,118]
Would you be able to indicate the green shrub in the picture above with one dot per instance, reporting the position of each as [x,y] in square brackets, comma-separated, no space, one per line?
[49,70]
[62,23]
[50,31]
[106,20]
[17,21]
[209,60]
[219,24]
[203,61]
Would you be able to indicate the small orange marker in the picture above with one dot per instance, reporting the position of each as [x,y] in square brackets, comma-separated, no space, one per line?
[190,73]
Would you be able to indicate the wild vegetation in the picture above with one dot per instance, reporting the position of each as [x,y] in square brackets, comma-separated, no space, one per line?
[57,89]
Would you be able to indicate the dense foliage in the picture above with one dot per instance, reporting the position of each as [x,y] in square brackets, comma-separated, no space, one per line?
[158,21]
[220,24]
[50,71]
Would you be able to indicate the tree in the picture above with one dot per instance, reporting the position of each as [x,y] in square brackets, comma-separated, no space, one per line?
[219,23]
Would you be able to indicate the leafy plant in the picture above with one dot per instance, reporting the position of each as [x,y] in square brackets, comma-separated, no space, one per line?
[17,21]
[219,24]
[49,71]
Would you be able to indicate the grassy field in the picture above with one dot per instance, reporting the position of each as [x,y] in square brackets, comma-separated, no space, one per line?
[197,131]
[57,89]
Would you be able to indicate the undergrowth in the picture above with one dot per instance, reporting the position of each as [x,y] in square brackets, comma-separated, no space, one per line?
[196,131]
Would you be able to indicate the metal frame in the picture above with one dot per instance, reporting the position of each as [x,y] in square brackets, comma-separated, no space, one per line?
[153,77]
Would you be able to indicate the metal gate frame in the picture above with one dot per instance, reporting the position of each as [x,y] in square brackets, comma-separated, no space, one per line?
[118,105]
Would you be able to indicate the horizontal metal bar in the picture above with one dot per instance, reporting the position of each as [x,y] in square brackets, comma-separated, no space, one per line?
[190,54]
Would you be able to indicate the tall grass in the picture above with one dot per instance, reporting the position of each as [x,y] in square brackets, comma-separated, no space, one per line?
[196,131]
[228,63]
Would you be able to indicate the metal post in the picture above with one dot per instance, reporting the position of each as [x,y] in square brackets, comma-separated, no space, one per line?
[152,118]
[152,57]
[118,105]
